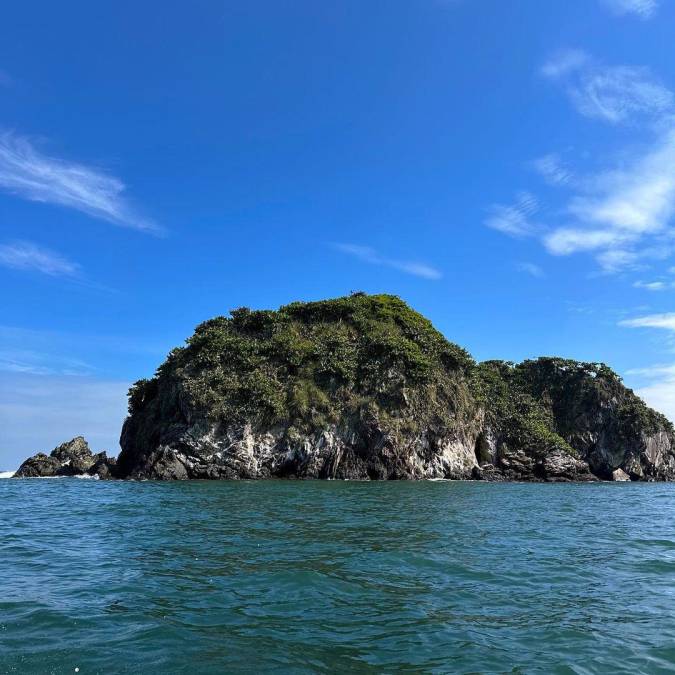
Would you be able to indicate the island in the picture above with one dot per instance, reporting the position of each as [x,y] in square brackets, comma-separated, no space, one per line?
[363,387]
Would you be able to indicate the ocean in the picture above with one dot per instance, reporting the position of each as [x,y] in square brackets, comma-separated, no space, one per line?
[336,577]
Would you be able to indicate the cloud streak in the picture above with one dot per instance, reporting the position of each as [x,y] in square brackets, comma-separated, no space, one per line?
[32,175]
[664,321]
[616,94]
[552,170]
[531,269]
[621,213]
[643,9]
[36,363]
[372,257]
[29,257]
[653,285]
[514,219]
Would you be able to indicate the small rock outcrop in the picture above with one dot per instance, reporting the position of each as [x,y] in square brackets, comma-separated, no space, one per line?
[363,387]
[73,458]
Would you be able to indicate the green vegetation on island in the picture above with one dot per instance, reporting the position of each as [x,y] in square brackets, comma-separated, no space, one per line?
[363,386]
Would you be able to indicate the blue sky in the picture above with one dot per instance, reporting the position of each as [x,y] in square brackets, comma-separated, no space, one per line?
[508,168]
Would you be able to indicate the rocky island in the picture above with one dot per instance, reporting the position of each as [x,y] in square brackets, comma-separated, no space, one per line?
[364,387]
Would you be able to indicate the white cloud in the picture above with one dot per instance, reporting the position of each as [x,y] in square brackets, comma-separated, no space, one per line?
[27,173]
[26,256]
[636,200]
[531,269]
[615,260]
[38,363]
[564,62]
[653,371]
[622,212]
[616,94]
[623,215]
[566,240]
[514,219]
[552,170]
[644,9]
[372,257]
[664,321]
[619,94]
[653,285]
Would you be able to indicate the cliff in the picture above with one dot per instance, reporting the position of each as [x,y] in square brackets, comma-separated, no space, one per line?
[364,387]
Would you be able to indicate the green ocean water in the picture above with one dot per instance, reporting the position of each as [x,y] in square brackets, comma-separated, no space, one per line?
[336,577]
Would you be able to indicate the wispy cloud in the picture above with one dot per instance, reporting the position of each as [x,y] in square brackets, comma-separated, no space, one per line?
[566,240]
[37,352]
[553,170]
[636,200]
[514,219]
[616,94]
[623,215]
[28,173]
[36,363]
[620,213]
[26,256]
[531,269]
[663,321]
[564,62]
[644,9]
[372,257]
[654,285]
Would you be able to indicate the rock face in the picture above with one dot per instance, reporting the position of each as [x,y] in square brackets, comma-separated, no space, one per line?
[363,387]
[73,458]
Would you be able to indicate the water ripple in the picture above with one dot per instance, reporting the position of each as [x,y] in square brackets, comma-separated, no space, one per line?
[318,577]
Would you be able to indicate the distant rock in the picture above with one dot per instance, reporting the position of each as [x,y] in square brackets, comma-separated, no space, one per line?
[73,458]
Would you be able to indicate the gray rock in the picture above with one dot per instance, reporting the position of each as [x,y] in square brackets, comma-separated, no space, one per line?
[103,466]
[73,458]
[339,452]
[38,466]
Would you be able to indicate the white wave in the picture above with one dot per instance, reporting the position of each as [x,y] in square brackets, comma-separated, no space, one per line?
[81,476]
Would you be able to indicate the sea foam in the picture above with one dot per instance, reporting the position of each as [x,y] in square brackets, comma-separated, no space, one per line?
[7,474]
